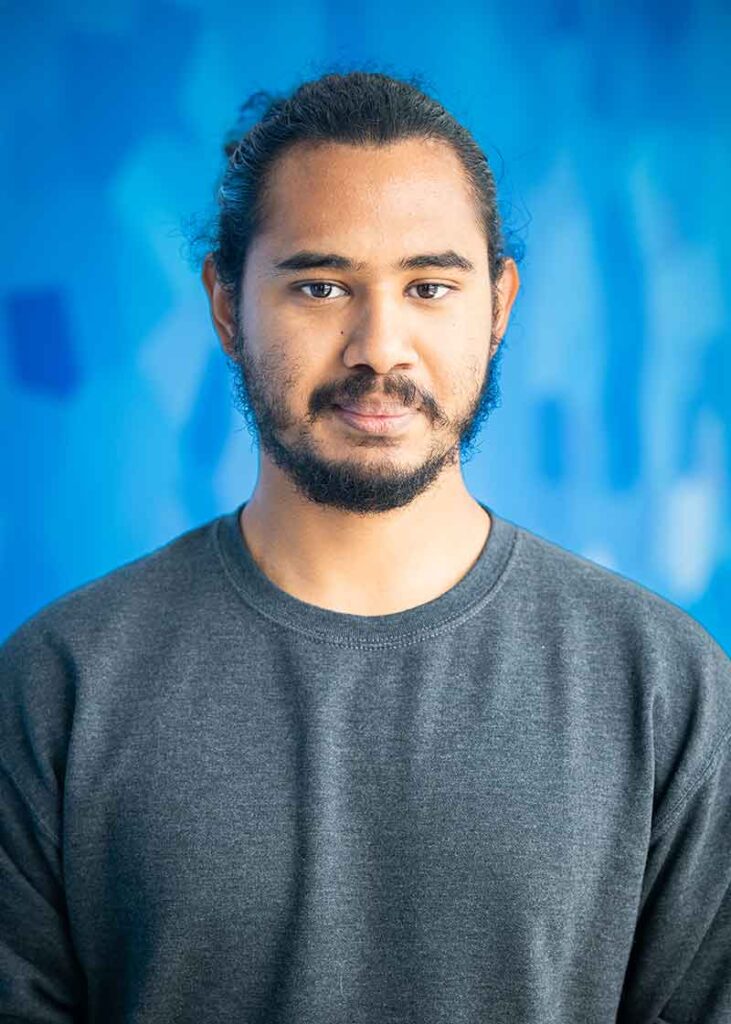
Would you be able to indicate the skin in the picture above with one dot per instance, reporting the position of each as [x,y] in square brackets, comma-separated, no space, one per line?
[353,522]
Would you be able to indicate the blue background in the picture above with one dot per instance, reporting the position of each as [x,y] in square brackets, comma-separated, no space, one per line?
[608,126]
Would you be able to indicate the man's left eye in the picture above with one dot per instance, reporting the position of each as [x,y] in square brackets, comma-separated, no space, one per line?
[431,284]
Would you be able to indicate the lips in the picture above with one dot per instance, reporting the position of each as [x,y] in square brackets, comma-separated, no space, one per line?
[391,424]
[375,410]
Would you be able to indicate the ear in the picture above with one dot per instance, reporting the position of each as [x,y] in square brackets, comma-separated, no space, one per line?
[220,303]
[507,289]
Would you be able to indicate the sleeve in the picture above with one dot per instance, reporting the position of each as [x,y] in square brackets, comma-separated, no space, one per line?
[41,980]
[679,969]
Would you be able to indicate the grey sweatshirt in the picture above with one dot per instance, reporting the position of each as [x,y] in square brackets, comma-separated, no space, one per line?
[219,803]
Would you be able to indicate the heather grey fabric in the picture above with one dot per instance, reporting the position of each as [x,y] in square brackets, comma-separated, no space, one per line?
[511,804]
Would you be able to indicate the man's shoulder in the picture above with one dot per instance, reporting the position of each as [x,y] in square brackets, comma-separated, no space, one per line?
[95,641]
[577,587]
[610,628]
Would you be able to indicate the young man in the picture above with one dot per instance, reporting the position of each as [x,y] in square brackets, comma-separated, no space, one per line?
[363,750]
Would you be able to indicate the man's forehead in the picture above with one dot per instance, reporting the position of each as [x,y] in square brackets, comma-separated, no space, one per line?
[393,215]
[405,178]
[412,154]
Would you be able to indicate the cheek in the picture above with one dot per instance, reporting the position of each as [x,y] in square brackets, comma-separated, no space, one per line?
[466,377]
[292,372]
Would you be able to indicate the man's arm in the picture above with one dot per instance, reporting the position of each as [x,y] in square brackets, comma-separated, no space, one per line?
[41,980]
[679,969]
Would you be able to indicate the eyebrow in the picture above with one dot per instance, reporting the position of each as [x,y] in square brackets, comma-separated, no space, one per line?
[307,259]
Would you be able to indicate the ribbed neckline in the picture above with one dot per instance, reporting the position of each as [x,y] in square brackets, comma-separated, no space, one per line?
[465,598]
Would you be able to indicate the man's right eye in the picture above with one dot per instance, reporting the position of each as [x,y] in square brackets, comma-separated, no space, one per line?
[316,285]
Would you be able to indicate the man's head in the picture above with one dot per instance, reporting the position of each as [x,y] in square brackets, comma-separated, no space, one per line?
[359,260]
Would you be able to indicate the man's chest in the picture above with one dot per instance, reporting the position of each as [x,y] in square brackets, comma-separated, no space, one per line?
[392,818]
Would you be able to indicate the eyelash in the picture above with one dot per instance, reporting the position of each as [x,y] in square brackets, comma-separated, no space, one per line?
[331,284]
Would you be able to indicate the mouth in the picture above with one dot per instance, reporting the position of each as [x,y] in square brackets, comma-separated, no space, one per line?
[375,423]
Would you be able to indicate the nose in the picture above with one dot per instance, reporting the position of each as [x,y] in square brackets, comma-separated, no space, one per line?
[381,335]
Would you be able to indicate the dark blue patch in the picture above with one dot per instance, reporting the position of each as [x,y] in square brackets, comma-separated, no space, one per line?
[41,354]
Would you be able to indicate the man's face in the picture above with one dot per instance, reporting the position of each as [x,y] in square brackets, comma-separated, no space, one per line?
[417,337]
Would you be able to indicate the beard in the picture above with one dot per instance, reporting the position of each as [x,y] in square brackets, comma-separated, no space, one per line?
[360,486]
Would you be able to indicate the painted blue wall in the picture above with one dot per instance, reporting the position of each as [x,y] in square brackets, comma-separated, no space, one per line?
[609,128]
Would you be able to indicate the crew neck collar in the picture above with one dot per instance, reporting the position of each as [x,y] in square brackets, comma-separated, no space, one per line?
[468,596]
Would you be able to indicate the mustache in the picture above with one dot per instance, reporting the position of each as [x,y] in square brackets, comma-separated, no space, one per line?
[399,391]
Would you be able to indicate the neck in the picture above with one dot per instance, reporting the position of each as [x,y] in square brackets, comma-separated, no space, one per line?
[377,565]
